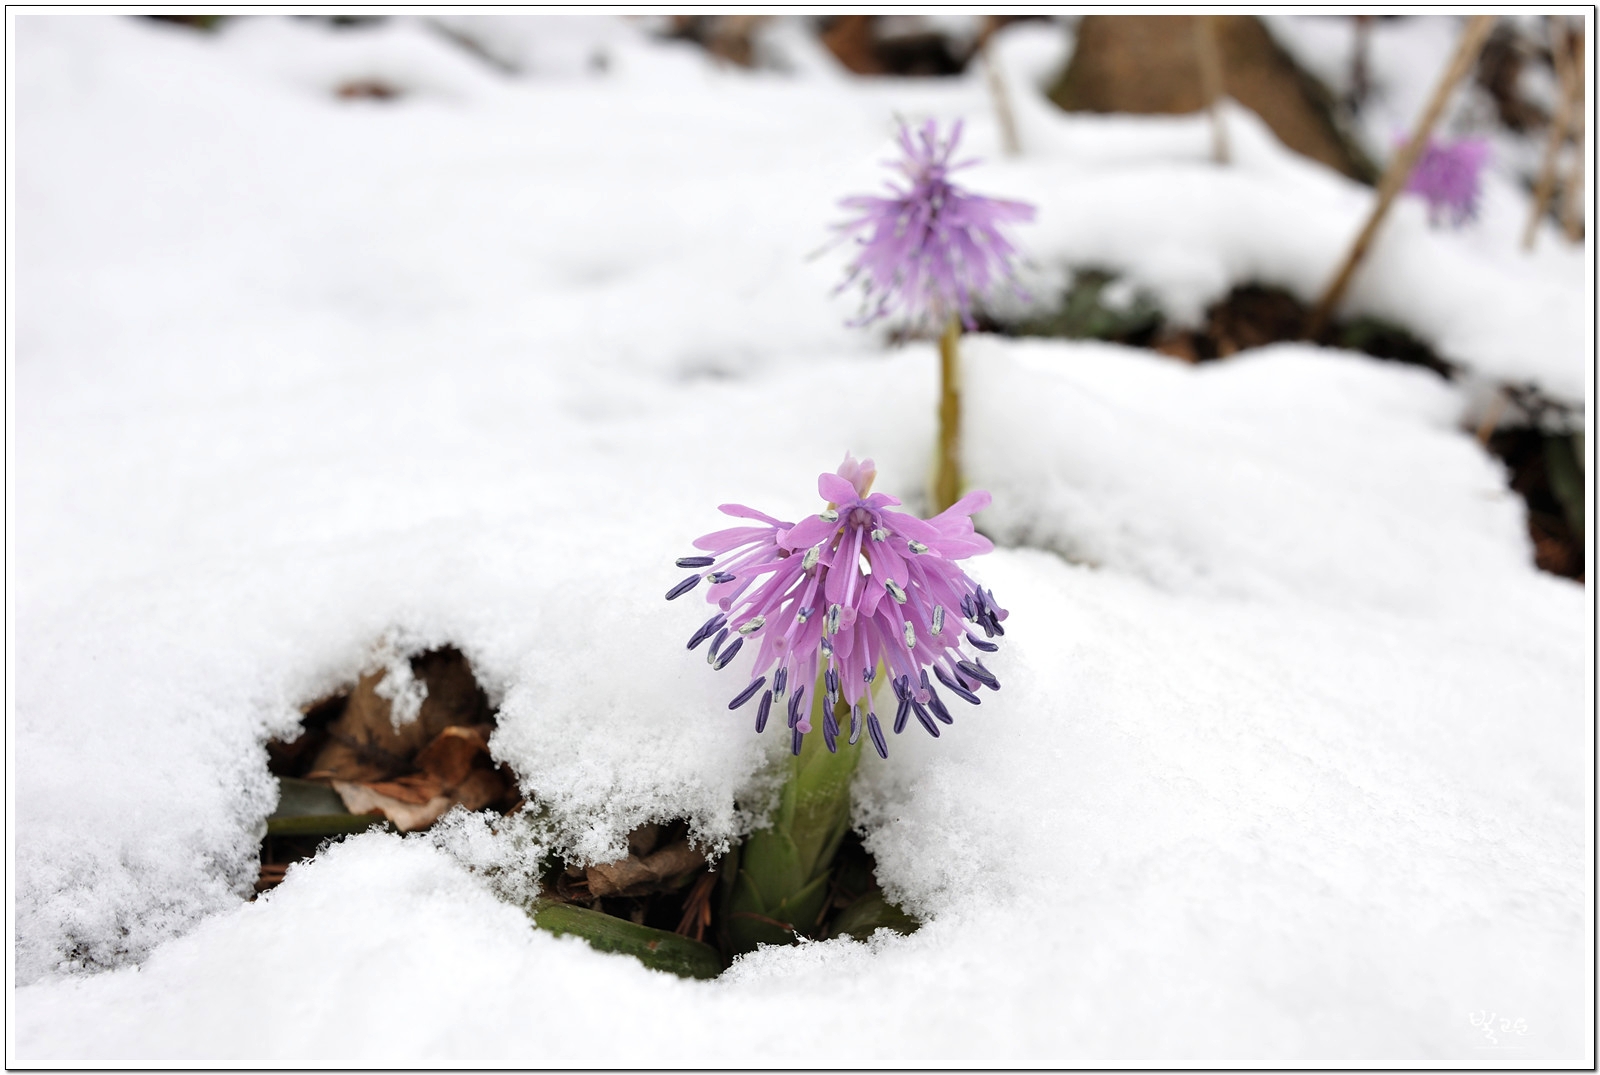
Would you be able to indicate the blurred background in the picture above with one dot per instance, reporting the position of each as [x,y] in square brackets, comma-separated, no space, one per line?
[1343,91]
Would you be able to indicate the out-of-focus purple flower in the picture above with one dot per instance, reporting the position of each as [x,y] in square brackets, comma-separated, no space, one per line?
[930,250]
[843,592]
[1449,176]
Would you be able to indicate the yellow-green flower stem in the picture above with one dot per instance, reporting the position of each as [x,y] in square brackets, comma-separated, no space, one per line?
[777,883]
[947,466]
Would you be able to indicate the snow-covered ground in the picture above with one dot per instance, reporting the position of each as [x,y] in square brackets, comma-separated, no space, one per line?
[1293,763]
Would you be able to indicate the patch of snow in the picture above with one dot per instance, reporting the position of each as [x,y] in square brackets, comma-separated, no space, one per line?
[1292,763]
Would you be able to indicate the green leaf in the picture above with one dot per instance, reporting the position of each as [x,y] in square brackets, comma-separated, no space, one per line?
[655,948]
[307,808]
[1563,461]
[772,861]
[817,794]
[803,908]
[869,914]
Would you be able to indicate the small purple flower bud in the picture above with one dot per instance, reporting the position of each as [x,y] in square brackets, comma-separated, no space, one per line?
[1449,176]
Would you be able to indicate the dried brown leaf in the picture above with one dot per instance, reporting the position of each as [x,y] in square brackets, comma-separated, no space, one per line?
[364,745]
[413,788]
[634,876]
[450,757]
[405,816]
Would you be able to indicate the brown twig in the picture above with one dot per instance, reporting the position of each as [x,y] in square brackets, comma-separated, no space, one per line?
[1400,165]
[997,89]
[1491,417]
[1572,202]
[697,908]
[1560,52]
[1210,57]
[1360,80]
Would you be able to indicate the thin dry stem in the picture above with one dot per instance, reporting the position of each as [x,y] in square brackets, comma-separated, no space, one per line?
[1210,56]
[1400,166]
[1491,417]
[1560,52]
[1572,201]
[997,90]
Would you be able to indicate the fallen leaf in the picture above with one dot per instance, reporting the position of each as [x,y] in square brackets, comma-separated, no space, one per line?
[413,788]
[450,757]
[635,876]
[405,816]
[363,744]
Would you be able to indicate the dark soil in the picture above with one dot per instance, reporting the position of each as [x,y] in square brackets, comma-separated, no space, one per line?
[1542,469]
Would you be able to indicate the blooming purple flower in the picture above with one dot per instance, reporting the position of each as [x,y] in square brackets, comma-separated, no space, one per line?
[1449,176]
[851,590]
[931,249]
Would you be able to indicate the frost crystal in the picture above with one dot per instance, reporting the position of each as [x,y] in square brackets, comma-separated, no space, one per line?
[931,249]
[1449,176]
[889,601]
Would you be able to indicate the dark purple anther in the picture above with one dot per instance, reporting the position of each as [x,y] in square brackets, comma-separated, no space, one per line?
[748,693]
[876,731]
[707,629]
[978,643]
[937,708]
[728,654]
[763,712]
[830,734]
[716,644]
[981,674]
[719,577]
[959,691]
[794,746]
[901,714]
[902,688]
[925,719]
[696,561]
[683,587]
[794,705]
[780,680]
[966,607]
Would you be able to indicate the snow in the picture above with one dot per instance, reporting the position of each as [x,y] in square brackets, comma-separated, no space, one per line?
[1293,761]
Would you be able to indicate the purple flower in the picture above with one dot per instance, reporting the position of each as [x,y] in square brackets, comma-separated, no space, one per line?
[850,591]
[931,249]
[1449,176]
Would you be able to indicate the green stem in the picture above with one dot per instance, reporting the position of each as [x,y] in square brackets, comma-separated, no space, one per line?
[780,886]
[947,470]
